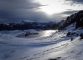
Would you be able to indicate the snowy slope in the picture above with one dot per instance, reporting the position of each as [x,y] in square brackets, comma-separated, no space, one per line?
[57,46]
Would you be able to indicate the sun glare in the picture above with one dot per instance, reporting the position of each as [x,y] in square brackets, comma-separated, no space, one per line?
[51,10]
[51,6]
[55,6]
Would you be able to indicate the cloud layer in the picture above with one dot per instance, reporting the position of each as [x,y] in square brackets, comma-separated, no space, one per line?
[15,10]
[69,12]
[72,2]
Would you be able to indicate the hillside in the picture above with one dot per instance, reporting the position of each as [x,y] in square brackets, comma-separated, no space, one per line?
[74,18]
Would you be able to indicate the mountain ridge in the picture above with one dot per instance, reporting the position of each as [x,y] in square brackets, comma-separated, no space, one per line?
[77,17]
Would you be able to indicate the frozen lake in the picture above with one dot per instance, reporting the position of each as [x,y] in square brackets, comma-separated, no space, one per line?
[43,33]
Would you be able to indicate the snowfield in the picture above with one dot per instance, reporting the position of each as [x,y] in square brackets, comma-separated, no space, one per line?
[57,46]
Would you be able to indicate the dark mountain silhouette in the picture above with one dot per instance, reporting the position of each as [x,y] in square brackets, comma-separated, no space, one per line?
[74,18]
[27,25]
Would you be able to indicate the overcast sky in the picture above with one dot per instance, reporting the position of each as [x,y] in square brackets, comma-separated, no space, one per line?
[38,10]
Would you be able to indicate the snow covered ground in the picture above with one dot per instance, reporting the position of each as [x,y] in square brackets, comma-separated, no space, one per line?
[57,46]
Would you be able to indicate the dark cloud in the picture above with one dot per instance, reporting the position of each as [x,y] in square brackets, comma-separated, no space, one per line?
[16,10]
[16,15]
[72,2]
[18,4]
[69,12]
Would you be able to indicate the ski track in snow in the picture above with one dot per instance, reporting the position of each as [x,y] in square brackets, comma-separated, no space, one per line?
[35,56]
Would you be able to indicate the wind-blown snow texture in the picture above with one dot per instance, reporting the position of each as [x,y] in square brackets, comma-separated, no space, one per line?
[57,46]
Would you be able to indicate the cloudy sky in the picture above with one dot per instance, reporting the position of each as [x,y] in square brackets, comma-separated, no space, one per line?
[38,10]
